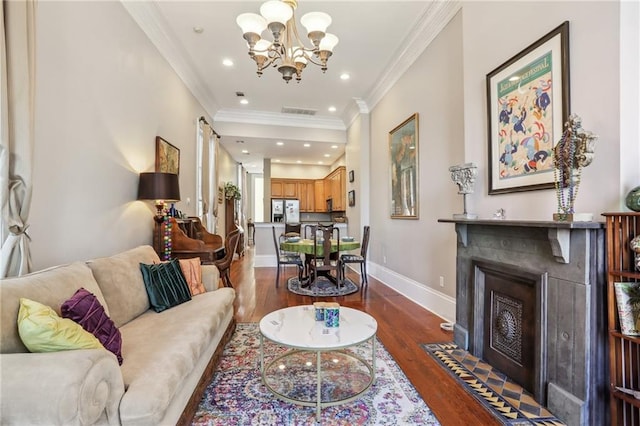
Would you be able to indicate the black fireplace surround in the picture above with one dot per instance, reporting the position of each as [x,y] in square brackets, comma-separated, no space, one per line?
[531,301]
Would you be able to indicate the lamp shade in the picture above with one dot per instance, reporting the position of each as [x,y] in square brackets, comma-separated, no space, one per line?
[159,186]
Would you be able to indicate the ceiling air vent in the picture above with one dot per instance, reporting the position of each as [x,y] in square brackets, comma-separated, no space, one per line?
[298,111]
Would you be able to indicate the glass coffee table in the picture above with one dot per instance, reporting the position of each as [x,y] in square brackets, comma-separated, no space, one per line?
[323,366]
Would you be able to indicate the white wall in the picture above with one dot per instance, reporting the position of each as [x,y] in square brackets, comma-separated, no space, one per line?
[421,250]
[447,87]
[103,94]
[492,39]
[299,171]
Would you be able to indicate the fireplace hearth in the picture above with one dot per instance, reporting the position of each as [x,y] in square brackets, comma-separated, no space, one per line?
[530,301]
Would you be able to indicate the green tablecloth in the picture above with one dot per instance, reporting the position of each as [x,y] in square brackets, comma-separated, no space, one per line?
[306,246]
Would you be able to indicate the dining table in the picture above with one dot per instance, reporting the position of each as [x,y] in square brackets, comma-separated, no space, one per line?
[305,246]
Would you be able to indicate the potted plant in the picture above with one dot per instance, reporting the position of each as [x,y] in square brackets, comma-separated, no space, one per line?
[231,191]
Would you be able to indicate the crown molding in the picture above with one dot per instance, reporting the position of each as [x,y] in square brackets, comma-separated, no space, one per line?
[152,23]
[435,17]
[229,115]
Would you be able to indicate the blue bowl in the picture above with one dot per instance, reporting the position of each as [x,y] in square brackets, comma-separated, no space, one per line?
[347,239]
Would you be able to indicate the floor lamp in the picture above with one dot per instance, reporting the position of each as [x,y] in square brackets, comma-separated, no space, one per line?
[162,188]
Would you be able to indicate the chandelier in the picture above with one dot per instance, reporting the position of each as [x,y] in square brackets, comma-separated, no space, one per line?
[287,52]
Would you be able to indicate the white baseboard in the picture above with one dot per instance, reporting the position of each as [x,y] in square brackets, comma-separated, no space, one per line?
[264,260]
[440,304]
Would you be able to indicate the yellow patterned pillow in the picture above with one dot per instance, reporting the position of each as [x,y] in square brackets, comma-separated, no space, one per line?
[42,330]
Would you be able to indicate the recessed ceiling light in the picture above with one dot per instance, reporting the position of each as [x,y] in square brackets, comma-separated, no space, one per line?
[276,160]
[307,145]
[334,146]
[327,155]
[244,101]
[227,62]
[332,109]
[198,30]
[244,151]
[344,76]
[299,162]
[320,162]
[279,143]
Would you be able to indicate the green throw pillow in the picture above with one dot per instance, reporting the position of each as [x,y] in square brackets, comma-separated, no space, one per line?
[42,330]
[165,284]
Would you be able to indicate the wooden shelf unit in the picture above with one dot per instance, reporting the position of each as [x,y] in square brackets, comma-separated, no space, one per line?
[624,351]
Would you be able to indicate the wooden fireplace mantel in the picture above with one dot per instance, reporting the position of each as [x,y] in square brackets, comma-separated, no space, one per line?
[559,233]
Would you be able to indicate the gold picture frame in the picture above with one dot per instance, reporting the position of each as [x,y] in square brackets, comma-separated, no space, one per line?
[167,157]
[403,170]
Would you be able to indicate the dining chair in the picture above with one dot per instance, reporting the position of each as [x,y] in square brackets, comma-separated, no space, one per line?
[292,228]
[224,264]
[361,258]
[285,259]
[322,260]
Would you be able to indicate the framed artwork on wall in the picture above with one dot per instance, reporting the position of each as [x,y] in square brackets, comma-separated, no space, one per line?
[167,157]
[527,104]
[352,198]
[351,176]
[403,155]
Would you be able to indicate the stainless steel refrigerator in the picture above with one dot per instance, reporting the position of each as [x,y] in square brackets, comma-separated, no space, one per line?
[287,211]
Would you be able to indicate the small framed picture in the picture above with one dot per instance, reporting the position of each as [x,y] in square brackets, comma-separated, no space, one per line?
[352,198]
[167,157]
[351,176]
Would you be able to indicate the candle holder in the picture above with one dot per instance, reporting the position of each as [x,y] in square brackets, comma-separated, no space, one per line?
[464,175]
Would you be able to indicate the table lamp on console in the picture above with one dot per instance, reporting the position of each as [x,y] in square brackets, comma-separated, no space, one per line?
[163,188]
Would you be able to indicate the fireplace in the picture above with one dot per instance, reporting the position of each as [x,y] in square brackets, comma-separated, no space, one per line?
[530,301]
[508,328]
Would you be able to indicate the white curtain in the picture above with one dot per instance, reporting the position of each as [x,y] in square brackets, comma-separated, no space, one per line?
[17,112]
[208,174]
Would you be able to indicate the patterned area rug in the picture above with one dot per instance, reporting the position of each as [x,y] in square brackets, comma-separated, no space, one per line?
[506,400]
[322,287]
[236,396]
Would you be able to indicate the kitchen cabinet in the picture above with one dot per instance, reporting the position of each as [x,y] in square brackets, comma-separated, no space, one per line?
[319,196]
[276,189]
[337,188]
[290,189]
[301,189]
[306,195]
[313,193]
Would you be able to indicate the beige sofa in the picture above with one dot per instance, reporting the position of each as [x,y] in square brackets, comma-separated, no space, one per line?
[169,357]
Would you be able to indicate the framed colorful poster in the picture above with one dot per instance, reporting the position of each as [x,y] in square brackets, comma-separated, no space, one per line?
[527,104]
[403,154]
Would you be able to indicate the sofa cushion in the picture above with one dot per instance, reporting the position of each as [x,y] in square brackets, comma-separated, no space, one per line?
[121,282]
[51,287]
[177,338]
[165,284]
[42,330]
[85,309]
[192,271]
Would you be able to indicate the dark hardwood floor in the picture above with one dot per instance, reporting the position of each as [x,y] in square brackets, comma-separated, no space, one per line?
[402,327]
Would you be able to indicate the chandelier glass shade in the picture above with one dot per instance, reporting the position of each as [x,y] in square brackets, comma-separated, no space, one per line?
[287,52]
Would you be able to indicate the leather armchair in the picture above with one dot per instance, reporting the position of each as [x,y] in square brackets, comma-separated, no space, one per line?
[183,247]
[213,241]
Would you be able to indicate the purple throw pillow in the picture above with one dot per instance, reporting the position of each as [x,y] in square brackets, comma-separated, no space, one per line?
[85,309]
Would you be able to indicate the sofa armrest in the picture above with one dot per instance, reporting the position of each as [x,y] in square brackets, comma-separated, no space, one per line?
[69,387]
[210,277]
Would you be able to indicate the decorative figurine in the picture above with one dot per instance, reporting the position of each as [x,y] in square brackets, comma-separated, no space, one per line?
[464,175]
[574,151]
[635,246]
